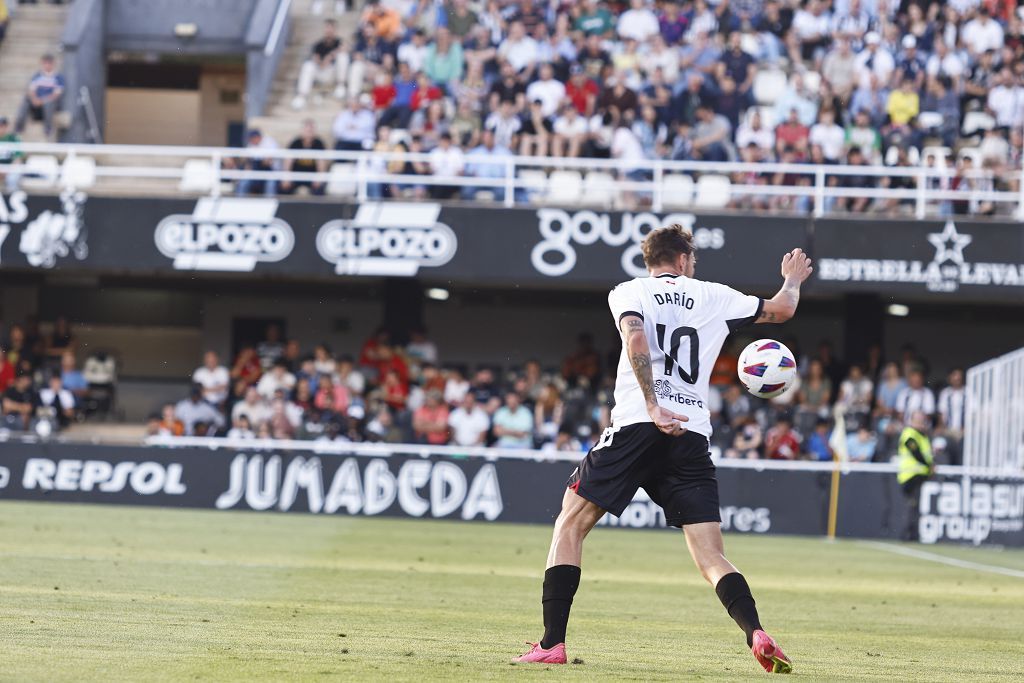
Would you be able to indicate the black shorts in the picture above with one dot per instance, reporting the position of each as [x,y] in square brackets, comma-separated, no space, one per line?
[675,471]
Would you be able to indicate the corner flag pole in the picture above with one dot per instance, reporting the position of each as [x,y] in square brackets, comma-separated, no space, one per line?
[838,444]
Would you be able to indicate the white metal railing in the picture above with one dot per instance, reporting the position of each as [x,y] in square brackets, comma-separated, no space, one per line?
[994,418]
[384,450]
[929,193]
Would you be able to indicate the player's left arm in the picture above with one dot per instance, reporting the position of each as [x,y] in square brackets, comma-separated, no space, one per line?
[796,268]
[639,353]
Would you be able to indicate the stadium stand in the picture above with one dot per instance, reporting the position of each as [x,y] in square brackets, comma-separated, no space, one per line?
[32,31]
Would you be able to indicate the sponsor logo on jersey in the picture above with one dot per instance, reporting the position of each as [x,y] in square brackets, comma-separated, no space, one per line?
[563,231]
[225,234]
[969,510]
[419,487]
[395,239]
[50,236]
[948,270]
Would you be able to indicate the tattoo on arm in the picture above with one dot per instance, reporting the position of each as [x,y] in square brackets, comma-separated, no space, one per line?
[639,358]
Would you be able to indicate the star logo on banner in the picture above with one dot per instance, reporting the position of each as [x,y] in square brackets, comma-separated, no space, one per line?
[949,244]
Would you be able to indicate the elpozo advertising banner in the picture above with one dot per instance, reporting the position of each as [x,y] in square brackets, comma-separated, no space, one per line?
[501,490]
[540,245]
[945,259]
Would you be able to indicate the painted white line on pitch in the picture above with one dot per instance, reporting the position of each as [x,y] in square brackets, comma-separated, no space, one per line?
[942,559]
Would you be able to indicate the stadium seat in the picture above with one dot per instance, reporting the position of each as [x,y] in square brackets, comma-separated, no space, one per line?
[713,191]
[78,173]
[599,188]
[676,190]
[768,85]
[40,171]
[976,121]
[937,150]
[196,176]
[342,180]
[972,153]
[892,155]
[812,81]
[930,119]
[534,181]
[565,187]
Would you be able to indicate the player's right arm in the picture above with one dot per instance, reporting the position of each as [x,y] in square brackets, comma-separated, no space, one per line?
[796,268]
[639,353]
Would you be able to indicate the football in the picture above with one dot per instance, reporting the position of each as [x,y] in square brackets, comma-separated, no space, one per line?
[766,368]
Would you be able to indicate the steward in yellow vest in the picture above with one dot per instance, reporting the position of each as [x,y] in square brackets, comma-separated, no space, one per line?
[916,465]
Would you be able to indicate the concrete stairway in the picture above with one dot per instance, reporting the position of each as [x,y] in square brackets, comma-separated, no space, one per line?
[33,31]
[281,121]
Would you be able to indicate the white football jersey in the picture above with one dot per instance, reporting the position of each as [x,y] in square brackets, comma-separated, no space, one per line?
[686,322]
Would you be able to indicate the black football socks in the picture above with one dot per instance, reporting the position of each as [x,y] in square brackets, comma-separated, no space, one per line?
[560,584]
[735,595]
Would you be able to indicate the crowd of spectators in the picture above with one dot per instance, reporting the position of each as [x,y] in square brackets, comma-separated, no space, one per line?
[403,394]
[856,82]
[40,382]
[875,398]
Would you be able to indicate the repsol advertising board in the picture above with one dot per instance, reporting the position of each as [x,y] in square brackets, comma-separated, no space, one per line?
[871,505]
[541,245]
[944,259]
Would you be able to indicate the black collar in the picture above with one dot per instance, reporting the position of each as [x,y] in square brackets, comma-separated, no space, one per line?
[668,275]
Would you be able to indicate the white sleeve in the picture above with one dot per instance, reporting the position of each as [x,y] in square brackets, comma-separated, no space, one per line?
[624,300]
[734,308]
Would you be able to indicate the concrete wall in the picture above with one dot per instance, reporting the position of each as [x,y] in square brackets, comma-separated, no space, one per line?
[148,25]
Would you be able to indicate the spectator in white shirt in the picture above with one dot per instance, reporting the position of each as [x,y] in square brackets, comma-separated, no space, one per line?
[519,49]
[549,91]
[455,387]
[1006,100]
[915,397]
[505,124]
[874,60]
[945,62]
[812,27]
[277,378]
[638,22]
[829,135]
[570,133]
[952,404]
[469,422]
[754,131]
[354,128]
[253,408]
[414,52]
[214,379]
[446,161]
[62,401]
[982,33]
[241,429]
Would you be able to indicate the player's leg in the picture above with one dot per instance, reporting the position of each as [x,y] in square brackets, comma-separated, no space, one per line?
[704,541]
[562,573]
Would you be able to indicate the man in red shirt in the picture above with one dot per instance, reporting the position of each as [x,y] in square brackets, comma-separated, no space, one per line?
[581,91]
[6,371]
[430,420]
[792,134]
[781,442]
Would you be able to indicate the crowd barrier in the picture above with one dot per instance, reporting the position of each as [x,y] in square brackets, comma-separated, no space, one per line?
[488,485]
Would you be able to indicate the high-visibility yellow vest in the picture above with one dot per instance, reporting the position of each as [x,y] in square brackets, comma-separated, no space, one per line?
[908,464]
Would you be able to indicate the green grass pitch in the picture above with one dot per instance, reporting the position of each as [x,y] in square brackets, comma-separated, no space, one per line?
[123,593]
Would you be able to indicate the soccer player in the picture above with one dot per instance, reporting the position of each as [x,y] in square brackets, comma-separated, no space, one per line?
[672,328]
